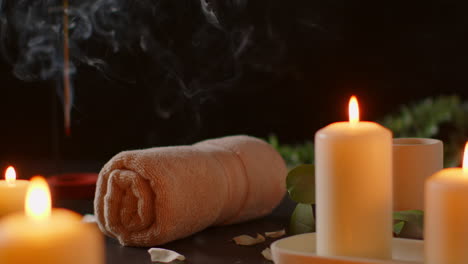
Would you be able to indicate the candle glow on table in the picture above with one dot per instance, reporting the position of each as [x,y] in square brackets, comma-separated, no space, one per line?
[12,193]
[354,188]
[45,236]
[446,215]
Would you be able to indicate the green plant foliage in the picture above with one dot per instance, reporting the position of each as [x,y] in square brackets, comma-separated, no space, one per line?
[294,154]
[300,183]
[413,223]
[444,117]
[397,227]
[416,216]
[424,118]
[302,220]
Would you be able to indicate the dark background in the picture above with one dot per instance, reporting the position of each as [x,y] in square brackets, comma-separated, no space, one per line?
[282,67]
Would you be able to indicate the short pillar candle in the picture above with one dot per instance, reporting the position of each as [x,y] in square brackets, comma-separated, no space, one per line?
[446,216]
[414,161]
[41,235]
[354,188]
[12,193]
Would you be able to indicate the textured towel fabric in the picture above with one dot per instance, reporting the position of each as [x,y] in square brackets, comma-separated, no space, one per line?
[153,196]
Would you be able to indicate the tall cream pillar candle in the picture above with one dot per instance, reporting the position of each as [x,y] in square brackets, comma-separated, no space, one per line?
[446,216]
[354,188]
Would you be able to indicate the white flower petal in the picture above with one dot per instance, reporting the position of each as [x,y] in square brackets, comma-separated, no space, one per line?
[89,218]
[246,240]
[164,255]
[267,254]
[275,234]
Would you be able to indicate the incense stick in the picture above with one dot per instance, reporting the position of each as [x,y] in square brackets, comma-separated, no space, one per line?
[66,72]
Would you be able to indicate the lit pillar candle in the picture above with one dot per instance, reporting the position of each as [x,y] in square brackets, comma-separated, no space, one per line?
[446,216]
[354,188]
[45,236]
[12,193]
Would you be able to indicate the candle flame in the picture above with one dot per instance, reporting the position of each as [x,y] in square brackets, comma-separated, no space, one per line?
[353,110]
[465,158]
[38,203]
[10,175]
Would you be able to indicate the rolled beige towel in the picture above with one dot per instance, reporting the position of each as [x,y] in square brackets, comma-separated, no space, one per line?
[153,196]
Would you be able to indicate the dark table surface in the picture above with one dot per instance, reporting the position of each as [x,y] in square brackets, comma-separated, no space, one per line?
[210,246]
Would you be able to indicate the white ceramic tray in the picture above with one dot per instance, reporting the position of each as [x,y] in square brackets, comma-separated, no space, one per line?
[300,249]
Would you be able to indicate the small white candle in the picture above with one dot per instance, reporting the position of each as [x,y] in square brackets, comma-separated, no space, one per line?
[12,193]
[46,236]
[446,216]
[354,188]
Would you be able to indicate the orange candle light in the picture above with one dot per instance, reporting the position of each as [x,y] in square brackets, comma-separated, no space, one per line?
[12,193]
[446,215]
[354,188]
[46,236]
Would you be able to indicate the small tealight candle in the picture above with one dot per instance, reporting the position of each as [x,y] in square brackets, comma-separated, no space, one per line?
[446,216]
[46,236]
[12,193]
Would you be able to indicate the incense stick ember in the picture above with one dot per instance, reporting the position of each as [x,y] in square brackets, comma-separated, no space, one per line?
[66,72]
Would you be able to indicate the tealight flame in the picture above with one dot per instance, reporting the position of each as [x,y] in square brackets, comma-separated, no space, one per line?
[465,158]
[38,203]
[10,175]
[353,110]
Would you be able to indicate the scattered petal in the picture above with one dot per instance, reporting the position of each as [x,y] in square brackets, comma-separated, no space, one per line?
[164,255]
[89,218]
[267,254]
[245,240]
[275,234]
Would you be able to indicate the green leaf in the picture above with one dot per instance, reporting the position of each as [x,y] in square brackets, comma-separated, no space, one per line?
[273,140]
[413,223]
[302,220]
[398,227]
[301,184]
[414,216]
